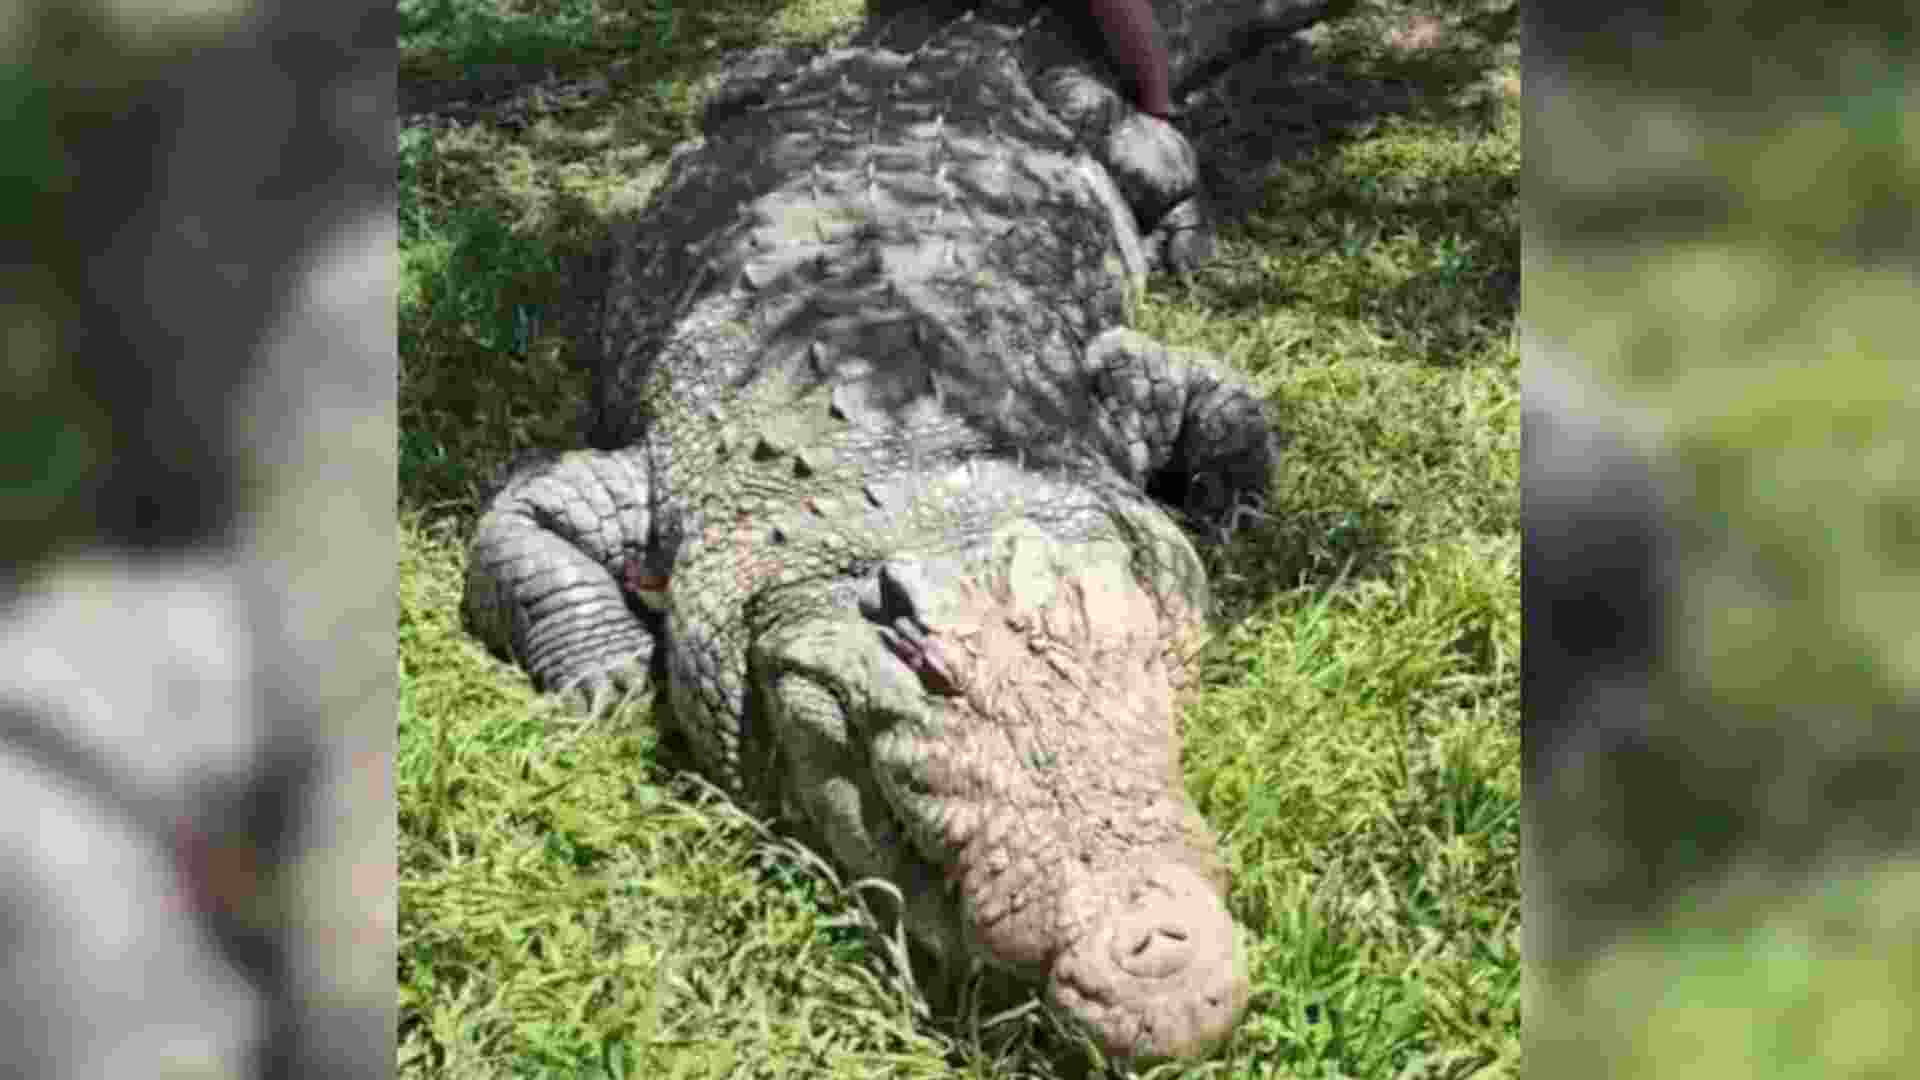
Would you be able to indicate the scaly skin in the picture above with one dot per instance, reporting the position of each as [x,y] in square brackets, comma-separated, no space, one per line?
[872,492]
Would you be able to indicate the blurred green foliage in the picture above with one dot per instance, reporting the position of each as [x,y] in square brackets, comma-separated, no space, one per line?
[1723,232]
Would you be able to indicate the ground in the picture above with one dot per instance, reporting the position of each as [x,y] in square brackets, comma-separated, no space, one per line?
[574,904]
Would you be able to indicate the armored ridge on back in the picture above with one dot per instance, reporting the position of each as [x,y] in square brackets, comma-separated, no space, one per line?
[871,490]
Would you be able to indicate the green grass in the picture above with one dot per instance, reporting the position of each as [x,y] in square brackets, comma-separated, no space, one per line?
[1790,975]
[573,906]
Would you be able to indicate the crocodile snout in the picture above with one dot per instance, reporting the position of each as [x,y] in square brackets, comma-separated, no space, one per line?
[1162,976]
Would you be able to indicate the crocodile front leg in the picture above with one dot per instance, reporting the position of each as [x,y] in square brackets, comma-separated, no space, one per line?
[1193,435]
[553,565]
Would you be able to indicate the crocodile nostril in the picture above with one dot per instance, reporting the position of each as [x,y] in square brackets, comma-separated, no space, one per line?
[1152,953]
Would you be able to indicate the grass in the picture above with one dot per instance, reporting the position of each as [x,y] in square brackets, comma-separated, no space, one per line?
[573,906]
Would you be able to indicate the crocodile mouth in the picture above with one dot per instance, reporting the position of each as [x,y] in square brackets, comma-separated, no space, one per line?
[1162,975]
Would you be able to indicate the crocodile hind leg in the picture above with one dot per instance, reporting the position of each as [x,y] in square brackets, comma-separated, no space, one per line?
[1193,435]
[554,569]
[1151,162]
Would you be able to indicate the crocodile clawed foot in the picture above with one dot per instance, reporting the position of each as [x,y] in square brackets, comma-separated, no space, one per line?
[1183,240]
[599,694]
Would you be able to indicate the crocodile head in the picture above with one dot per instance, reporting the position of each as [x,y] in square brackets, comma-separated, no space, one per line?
[1013,715]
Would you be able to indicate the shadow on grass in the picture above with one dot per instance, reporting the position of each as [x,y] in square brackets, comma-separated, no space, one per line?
[1294,98]
[1451,227]
[472,48]
[1298,547]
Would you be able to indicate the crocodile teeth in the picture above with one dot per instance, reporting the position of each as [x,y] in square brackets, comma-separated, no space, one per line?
[911,644]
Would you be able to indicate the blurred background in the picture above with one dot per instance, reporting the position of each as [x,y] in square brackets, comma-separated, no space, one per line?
[196,617]
[1722,540]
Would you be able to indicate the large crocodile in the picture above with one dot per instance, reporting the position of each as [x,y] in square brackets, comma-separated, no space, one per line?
[878,493]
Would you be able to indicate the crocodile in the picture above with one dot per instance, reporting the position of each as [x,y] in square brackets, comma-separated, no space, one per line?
[884,498]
